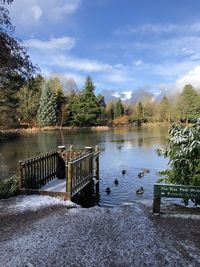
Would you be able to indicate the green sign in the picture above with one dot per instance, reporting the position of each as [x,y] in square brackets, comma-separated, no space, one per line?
[176,191]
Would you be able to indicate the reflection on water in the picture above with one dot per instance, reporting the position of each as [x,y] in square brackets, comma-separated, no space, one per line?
[130,149]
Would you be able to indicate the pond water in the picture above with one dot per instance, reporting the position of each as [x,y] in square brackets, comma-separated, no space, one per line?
[130,149]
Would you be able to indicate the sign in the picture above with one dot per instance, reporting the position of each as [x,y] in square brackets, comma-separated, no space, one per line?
[176,191]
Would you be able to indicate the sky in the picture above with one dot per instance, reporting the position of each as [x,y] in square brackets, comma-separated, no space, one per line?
[124,45]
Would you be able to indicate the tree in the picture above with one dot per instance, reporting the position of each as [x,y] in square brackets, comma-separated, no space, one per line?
[165,110]
[29,98]
[15,68]
[188,104]
[183,151]
[118,109]
[140,112]
[47,109]
[9,102]
[60,100]
[84,107]
[14,59]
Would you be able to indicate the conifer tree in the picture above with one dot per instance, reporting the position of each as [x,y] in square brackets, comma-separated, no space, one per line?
[85,109]
[118,109]
[47,108]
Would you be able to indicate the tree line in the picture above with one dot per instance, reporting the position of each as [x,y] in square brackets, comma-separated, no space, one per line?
[40,102]
[29,99]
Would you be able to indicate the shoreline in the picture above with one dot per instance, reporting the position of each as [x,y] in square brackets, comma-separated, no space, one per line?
[77,128]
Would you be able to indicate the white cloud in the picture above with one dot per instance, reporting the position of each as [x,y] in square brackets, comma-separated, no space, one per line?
[78,64]
[63,43]
[28,12]
[192,77]
[159,28]
[138,62]
[37,12]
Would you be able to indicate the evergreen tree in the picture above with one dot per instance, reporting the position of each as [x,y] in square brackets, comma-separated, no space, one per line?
[60,100]
[47,108]
[84,108]
[9,102]
[118,109]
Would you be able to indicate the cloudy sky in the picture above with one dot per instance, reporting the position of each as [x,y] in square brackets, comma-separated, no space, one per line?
[122,44]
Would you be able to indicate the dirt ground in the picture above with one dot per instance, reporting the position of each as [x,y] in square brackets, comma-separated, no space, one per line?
[128,235]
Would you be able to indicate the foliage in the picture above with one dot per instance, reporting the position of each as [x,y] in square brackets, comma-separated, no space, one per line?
[9,102]
[122,120]
[188,103]
[140,111]
[60,99]
[14,59]
[118,109]
[9,187]
[29,97]
[47,109]
[85,110]
[183,151]
[165,110]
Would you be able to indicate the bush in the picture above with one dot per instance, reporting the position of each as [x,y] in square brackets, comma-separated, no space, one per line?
[9,187]
[183,151]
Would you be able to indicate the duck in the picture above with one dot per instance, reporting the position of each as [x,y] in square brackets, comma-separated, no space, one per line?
[146,170]
[116,182]
[123,172]
[140,191]
[140,174]
[108,191]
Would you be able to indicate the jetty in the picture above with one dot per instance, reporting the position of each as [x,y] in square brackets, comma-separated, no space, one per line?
[63,173]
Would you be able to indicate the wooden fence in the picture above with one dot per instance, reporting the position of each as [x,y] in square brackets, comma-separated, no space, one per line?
[80,167]
[38,171]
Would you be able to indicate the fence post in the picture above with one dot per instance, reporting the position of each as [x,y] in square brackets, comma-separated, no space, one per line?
[69,178]
[97,169]
[156,199]
[20,175]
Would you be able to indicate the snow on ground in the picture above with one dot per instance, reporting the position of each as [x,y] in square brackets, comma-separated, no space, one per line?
[32,203]
[121,236]
[56,185]
[129,235]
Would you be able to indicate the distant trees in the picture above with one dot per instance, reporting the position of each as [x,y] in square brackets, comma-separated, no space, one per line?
[164,110]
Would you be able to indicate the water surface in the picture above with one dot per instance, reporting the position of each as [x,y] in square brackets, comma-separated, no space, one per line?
[130,149]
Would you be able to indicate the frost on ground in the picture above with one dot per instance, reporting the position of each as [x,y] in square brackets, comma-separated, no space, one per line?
[32,203]
[122,236]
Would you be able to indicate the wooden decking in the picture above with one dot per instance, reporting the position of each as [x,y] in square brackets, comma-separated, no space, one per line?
[76,168]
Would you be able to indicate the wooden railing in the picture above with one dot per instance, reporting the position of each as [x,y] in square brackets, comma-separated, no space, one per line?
[80,167]
[36,172]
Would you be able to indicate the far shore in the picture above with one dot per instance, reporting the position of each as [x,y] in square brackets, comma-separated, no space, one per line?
[74,128]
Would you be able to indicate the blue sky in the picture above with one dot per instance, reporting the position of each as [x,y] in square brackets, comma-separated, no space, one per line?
[123,44]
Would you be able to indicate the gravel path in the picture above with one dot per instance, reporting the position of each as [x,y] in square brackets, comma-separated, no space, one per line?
[123,236]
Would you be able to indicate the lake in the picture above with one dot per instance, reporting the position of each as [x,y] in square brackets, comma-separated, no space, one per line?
[127,148]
